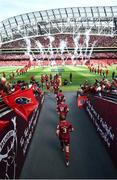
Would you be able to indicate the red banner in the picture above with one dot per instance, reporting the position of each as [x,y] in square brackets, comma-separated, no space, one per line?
[81,101]
[23,102]
[15,138]
[3,124]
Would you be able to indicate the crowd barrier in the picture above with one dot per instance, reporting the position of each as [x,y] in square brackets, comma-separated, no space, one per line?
[103,114]
[15,138]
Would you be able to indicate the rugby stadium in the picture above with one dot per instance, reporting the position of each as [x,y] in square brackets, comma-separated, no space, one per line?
[44,55]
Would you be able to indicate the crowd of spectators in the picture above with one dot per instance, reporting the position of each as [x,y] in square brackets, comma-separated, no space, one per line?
[70,41]
[5,57]
[104,55]
[58,62]
[99,87]
[62,41]
[8,88]
[8,85]
[13,63]
[59,56]
[103,62]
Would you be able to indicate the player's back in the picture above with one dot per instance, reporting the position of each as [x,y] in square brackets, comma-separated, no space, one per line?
[65,127]
[62,107]
[60,96]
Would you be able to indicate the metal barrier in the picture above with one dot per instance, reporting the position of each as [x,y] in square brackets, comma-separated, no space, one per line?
[103,113]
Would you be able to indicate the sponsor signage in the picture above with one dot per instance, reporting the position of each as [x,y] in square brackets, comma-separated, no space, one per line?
[15,139]
[103,114]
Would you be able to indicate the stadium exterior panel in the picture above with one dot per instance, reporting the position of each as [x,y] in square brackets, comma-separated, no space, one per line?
[99,20]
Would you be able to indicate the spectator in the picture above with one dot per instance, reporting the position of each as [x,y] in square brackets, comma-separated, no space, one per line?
[113,74]
[66,82]
[70,77]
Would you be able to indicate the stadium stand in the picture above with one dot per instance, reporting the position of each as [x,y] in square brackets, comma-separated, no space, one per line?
[101,41]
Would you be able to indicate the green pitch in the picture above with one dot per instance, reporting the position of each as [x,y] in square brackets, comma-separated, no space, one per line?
[79,74]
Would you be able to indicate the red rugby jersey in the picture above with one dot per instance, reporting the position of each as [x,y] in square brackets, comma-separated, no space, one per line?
[60,97]
[64,128]
[63,108]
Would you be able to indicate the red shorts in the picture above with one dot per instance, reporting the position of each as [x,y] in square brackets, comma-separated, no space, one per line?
[65,141]
[62,113]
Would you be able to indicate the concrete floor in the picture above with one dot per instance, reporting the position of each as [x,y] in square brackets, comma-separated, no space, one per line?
[88,158]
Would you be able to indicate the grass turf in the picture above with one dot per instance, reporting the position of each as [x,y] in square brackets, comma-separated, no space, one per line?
[80,74]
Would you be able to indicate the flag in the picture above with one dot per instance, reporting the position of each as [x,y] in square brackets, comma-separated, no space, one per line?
[23,102]
[81,101]
[3,124]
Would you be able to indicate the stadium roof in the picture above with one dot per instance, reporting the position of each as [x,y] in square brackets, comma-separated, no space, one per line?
[100,20]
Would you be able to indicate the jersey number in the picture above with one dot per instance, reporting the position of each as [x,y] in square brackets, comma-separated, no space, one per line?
[64,130]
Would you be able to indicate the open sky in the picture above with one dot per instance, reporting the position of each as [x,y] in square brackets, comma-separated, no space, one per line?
[9,8]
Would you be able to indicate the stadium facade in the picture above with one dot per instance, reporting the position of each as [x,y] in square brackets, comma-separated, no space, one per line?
[100,20]
[67,35]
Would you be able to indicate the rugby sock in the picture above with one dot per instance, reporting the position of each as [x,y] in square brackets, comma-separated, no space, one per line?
[67,155]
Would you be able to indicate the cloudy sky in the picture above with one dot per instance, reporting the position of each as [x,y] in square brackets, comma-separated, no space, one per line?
[9,8]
